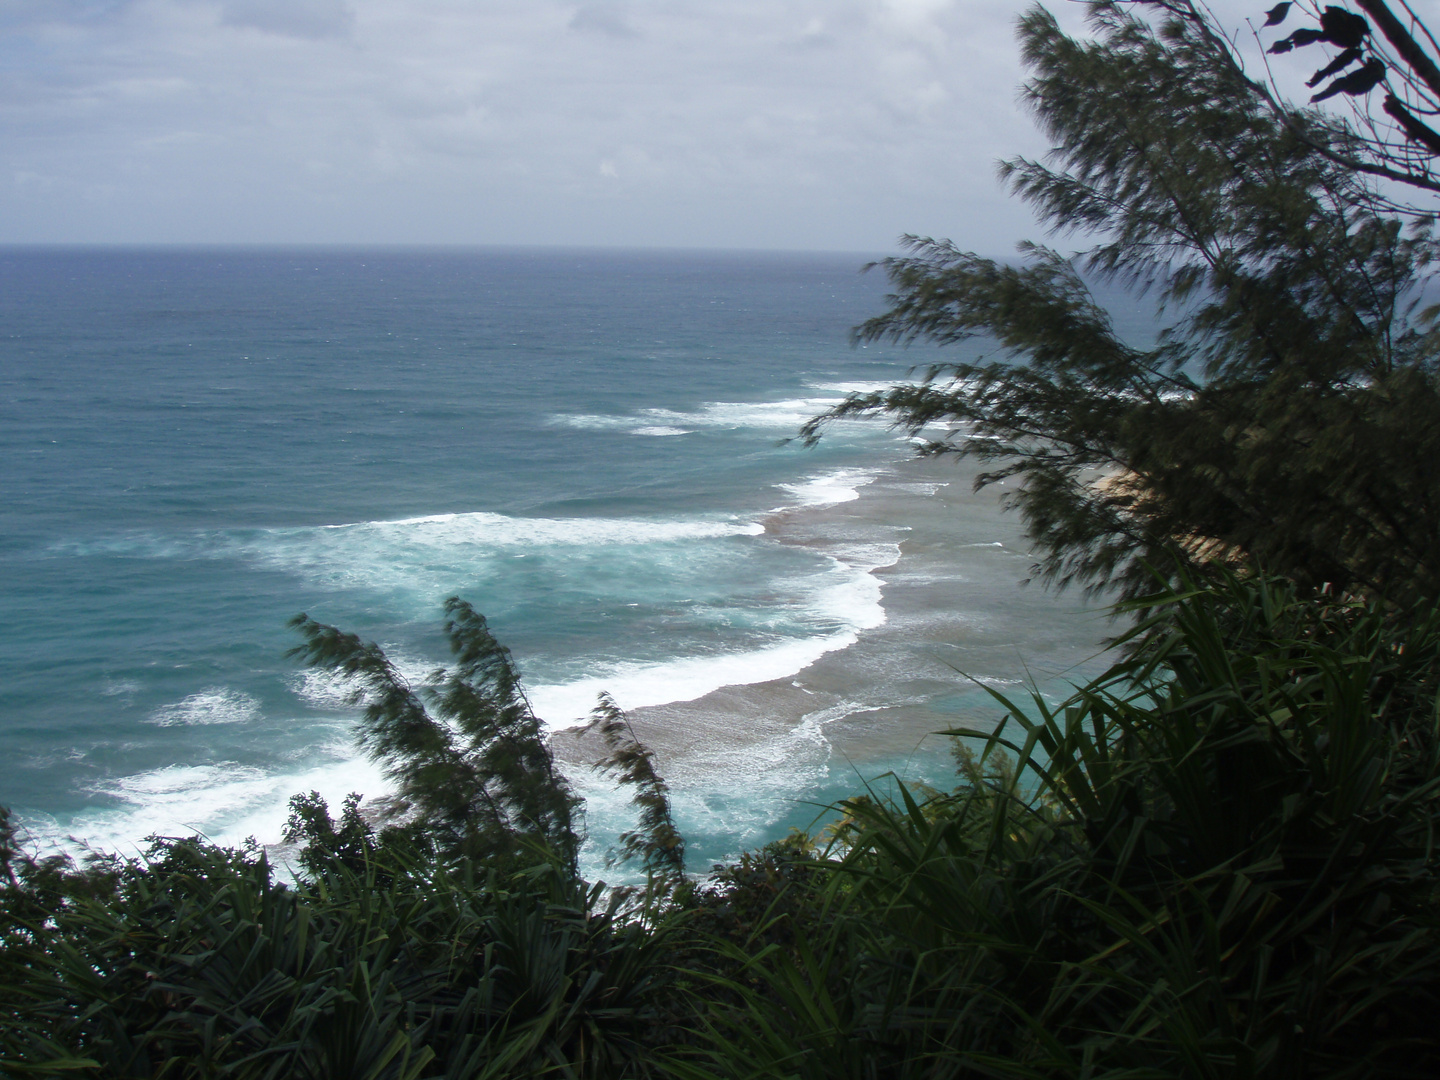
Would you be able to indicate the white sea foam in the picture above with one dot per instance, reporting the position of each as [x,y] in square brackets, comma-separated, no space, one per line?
[321,689]
[836,604]
[851,593]
[459,532]
[501,530]
[634,685]
[732,796]
[213,705]
[919,487]
[435,555]
[744,791]
[786,415]
[428,553]
[847,596]
[225,802]
[228,802]
[812,725]
[860,387]
[333,691]
[830,488]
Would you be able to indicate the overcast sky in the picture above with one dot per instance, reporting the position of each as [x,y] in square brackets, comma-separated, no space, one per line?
[803,124]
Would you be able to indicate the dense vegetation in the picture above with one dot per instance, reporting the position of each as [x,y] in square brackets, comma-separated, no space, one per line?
[1215,860]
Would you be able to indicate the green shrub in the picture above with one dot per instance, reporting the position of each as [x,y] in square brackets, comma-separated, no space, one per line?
[1214,860]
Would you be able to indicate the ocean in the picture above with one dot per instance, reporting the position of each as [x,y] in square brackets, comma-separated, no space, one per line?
[589,446]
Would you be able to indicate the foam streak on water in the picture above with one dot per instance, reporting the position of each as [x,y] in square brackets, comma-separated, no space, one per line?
[634,686]
[227,802]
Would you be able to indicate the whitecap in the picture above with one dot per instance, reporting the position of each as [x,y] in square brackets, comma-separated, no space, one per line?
[848,595]
[725,798]
[476,531]
[484,529]
[592,422]
[827,489]
[850,592]
[861,387]
[429,556]
[225,802]
[321,689]
[784,415]
[636,685]
[334,691]
[213,705]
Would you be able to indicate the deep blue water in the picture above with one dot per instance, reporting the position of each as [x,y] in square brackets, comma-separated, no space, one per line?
[586,445]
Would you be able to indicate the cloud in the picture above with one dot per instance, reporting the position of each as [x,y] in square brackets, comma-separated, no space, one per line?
[16,14]
[742,123]
[602,19]
[311,19]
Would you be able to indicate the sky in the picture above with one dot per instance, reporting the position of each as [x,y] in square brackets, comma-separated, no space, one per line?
[788,124]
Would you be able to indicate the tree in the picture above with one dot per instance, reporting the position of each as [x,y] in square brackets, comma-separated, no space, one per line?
[1391,57]
[655,841]
[1286,415]
[1216,859]
[475,775]
[1380,71]
[476,779]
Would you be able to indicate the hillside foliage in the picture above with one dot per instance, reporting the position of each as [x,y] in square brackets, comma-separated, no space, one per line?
[1215,859]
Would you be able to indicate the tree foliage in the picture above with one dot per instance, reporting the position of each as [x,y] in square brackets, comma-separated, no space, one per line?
[198,964]
[349,842]
[655,841]
[474,774]
[1217,859]
[1387,54]
[1285,416]
[1377,79]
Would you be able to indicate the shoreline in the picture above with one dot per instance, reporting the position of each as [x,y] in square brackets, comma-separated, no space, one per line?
[746,759]
[956,619]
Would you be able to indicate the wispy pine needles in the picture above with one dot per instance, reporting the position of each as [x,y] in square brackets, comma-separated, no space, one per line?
[476,778]
[655,842]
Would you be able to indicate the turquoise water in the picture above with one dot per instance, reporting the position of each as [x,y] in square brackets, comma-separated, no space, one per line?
[586,445]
